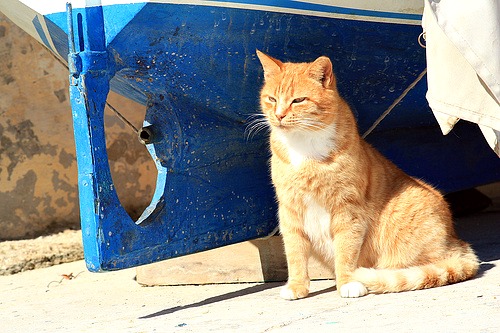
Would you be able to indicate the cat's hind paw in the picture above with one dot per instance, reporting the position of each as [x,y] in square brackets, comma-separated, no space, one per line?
[295,291]
[353,289]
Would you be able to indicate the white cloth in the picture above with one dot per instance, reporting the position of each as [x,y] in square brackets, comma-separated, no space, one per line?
[463,64]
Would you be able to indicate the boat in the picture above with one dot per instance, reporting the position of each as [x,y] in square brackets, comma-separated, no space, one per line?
[193,65]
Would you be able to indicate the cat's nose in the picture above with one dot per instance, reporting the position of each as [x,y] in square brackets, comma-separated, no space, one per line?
[280,116]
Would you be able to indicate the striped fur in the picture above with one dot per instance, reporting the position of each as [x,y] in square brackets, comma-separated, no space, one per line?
[379,229]
[452,269]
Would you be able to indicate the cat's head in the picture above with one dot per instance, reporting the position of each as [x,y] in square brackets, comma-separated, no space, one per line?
[298,96]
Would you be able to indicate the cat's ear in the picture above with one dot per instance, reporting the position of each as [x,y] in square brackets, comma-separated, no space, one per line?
[270,65]
[322,71]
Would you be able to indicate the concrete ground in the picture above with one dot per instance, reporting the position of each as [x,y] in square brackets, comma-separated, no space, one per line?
[44,300]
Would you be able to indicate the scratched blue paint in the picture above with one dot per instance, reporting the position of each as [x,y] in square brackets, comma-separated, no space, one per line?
[195,70]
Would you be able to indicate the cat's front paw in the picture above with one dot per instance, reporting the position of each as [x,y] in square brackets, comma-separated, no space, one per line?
[294,291]
[353,289]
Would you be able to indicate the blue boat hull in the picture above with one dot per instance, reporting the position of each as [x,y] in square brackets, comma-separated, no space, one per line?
[196,71]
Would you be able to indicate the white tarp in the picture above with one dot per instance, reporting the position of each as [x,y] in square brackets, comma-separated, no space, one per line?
[463,64]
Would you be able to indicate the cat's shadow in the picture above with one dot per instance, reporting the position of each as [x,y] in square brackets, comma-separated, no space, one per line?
[234,294]
[216,299]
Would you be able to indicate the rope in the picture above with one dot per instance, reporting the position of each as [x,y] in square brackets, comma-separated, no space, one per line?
[122,118]
[118,114]
[396,102]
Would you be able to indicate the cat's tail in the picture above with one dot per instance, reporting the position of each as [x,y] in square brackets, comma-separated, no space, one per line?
[456,268]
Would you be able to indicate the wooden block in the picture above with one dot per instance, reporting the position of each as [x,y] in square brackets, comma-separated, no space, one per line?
[260,260]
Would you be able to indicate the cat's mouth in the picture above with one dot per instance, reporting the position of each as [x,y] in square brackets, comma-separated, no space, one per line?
[282,126]
[289,126]
[286,129]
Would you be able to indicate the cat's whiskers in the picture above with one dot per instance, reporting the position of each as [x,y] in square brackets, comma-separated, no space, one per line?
[257,123]
[304,125]
[309,124]
[255,128]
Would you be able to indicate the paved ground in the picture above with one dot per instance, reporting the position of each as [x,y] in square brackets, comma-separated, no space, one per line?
[43,300]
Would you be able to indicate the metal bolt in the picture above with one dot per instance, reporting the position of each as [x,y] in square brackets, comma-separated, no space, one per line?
[145,135]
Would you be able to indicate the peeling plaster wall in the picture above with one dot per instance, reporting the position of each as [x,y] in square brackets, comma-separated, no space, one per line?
[38,174]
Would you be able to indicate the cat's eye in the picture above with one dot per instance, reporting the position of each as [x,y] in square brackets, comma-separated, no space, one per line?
[272,99]
[299,100]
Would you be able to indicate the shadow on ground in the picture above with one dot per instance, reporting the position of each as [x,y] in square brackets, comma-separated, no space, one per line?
[215,299]
[482,231]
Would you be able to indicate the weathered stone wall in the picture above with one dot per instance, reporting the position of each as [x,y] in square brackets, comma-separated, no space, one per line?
[38,175]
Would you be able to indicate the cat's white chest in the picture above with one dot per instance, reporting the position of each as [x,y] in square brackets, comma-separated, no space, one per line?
[317,226]
[304,145]
[296,158]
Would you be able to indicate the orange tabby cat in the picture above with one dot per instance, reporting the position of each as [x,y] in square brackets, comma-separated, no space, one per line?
[378,228]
